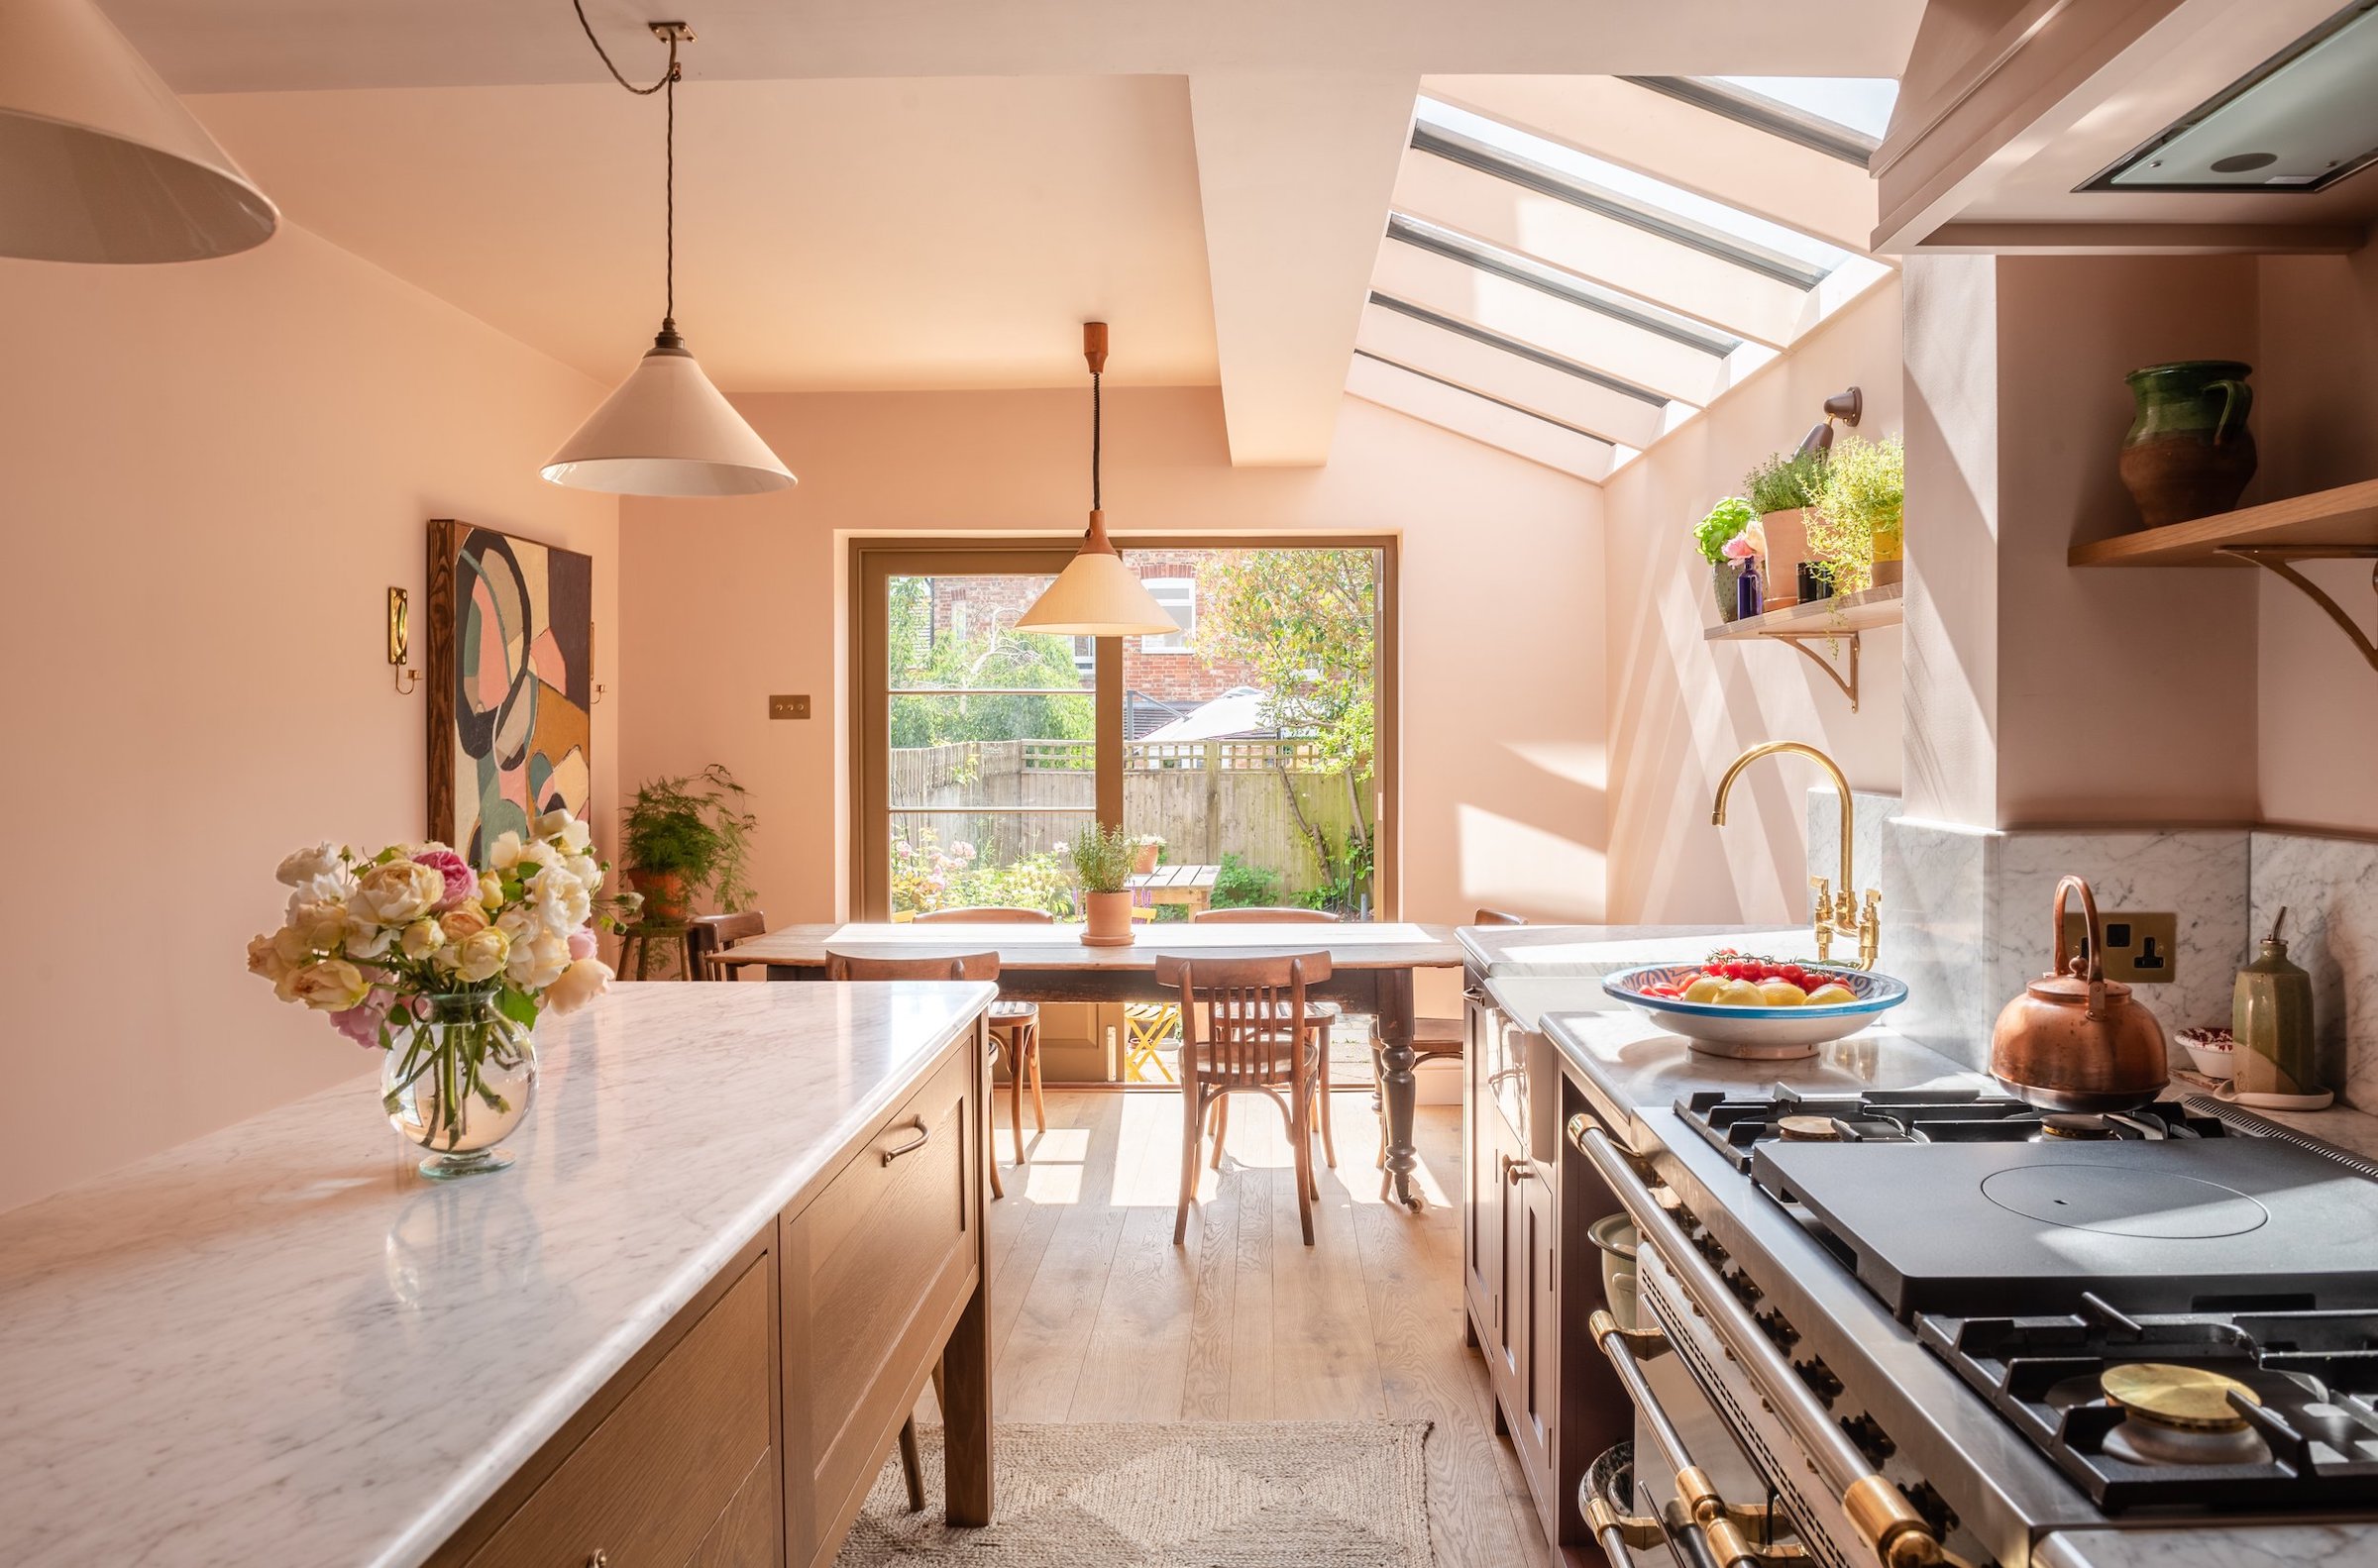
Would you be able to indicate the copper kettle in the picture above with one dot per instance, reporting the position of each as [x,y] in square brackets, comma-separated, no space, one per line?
[2075,1040]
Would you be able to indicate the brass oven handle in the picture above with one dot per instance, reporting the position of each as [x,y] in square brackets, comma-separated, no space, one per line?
[925,1135]
[1719,1522]
[1882,1517]
[1619,1534]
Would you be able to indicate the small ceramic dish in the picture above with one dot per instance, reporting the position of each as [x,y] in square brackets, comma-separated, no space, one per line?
[1757,1032]
[2215,1051]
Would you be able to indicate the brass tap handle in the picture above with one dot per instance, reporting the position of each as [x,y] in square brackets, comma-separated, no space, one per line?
[1823,924]
[1869,928]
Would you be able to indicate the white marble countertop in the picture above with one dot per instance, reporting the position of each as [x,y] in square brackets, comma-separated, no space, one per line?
[1594,950]
[280,1344]
[2215,1546]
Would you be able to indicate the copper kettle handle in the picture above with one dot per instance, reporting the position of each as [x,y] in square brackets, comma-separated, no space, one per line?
[2097,941]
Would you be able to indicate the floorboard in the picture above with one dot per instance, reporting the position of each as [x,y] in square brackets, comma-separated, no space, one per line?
[1097,1317]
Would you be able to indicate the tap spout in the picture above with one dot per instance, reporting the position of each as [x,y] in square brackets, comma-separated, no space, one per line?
[1841,786]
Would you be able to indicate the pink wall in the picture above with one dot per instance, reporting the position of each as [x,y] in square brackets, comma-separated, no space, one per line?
[1502,662]
[1681,708]
[213,475]
[2317,426]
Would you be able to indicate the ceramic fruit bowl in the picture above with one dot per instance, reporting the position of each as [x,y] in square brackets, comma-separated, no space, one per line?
[1719,1030]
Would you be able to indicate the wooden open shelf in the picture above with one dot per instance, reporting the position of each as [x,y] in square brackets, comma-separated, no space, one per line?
[1862,611]
[2344,520]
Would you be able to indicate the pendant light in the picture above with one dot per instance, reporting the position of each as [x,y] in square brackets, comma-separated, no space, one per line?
[99,162]
[1097,595]
[667,431]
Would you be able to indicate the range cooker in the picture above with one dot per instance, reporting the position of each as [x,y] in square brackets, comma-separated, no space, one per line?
[1944,1306]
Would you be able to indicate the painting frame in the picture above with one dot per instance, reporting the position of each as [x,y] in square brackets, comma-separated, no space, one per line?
[511,694]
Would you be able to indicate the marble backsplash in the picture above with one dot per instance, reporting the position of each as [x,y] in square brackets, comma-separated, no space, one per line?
[1966,924]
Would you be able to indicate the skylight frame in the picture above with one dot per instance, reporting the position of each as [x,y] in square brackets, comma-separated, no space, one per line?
[1537,415]
[1773,116]
[1519,349]
[1484,255]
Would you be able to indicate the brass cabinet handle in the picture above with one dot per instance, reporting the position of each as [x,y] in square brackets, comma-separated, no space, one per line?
[1516,1170]
[600,1559]
[925,1135]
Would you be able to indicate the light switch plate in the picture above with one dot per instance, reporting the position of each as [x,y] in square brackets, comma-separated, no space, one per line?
[789,707]
[2141,949]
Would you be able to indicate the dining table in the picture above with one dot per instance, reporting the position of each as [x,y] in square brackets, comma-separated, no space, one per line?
[1371,964]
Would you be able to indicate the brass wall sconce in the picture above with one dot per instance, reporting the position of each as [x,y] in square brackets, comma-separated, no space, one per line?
[1848,407]
[400,641]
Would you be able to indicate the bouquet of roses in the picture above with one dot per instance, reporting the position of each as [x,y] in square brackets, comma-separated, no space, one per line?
[399,946]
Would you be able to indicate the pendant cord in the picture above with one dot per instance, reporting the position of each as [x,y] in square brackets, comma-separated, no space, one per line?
[1096,504]
[668,82]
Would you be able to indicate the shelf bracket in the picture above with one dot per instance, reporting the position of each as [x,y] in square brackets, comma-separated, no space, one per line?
[1849,687]
[2280,563]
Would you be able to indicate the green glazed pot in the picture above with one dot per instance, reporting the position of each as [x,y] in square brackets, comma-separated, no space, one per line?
[2189,453]
[1723,575]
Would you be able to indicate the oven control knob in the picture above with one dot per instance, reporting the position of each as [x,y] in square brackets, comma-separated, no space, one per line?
[1819,1378]
[1872,1440]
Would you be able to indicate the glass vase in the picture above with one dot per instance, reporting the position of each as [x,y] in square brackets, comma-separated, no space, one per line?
[457,1081]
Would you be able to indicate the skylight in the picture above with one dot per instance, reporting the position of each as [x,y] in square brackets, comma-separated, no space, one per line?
[1862,104]
[1561,284]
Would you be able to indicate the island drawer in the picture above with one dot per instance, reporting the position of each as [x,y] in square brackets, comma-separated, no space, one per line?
[876,1270]
[649,1484]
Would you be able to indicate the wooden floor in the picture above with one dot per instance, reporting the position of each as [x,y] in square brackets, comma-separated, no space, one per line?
[1097,1317]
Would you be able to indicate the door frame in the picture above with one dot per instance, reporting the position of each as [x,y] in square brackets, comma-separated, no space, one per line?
[873,560]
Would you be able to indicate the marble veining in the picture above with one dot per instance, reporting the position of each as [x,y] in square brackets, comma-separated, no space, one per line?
[2330,889]
[2242,1546]
[1868,812]
[279,1344]
[1936,908]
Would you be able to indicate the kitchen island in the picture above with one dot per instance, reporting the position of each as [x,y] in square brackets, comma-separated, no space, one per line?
[743,1224]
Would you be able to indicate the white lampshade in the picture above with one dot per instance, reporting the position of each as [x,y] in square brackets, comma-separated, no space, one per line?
[99,162]
[667,431]
[1096,595]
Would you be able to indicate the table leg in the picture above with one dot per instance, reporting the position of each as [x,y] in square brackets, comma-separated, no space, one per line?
[1394,1020]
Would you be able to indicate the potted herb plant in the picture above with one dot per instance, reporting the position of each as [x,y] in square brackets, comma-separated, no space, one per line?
[1102,866]
[1720,535]
[1780,490]
[1855,520]
[688,836]
[1147,850]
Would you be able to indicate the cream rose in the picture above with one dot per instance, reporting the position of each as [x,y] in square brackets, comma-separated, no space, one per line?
[331,985]
[398,893]
[308,864]
[421,939]
[456,924]
[561,901]
[505,853]
[263,958]
[584,979]
[481,955]
[316,928]
[491,890]
[560,827]
[537,963]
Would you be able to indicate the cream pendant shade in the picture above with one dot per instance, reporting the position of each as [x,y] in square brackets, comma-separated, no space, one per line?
[99,162]
[1097,595]
[667,431]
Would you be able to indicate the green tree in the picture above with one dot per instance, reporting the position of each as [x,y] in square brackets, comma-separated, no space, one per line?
[1001,656]
[1306,621]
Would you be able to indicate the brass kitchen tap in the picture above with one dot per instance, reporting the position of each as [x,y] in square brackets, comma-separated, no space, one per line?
[1837,914]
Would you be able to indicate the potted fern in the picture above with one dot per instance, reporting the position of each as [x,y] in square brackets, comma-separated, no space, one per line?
[1101,864]
[685,837]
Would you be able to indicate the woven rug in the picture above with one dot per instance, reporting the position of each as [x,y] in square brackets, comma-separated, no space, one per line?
[1188,1495]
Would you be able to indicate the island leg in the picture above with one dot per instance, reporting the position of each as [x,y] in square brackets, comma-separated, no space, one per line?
[966,1413]
[1397,1085]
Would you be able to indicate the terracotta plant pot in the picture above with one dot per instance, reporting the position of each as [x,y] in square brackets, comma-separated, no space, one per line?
[664,892]
[2188,453]
[1143,859]
[1787,547]
[1110,916]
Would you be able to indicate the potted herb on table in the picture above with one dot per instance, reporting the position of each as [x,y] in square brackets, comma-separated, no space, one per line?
[1147,850]
[1101,864]
[688,836]
[1727,542]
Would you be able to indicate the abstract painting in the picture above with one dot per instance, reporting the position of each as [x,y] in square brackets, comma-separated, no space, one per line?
[511,653]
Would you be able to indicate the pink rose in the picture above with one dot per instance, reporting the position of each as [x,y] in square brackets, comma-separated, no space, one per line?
[360,1024]
[582,943]
[462,882]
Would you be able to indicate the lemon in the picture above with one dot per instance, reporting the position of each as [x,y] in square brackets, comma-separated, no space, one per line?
[1707,988]
[1782,994]
[1740,993]
[1831,994]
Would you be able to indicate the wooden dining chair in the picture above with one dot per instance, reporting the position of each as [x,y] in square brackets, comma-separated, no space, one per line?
[1247,1032]
[709,935]
[1015,1023]
[1431,1038]
[1323,1015]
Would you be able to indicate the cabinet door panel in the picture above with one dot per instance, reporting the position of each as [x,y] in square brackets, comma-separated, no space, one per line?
[750,1533]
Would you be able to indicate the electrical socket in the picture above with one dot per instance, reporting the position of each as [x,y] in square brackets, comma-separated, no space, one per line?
[2141,949]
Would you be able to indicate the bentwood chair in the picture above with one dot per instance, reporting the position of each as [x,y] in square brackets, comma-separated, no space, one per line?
[1015,1024]
[709,935]
[1431,1039]
[1323,1015]
[1246,1030]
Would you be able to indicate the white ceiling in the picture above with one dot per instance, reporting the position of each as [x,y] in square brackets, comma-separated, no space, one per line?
[917,193]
